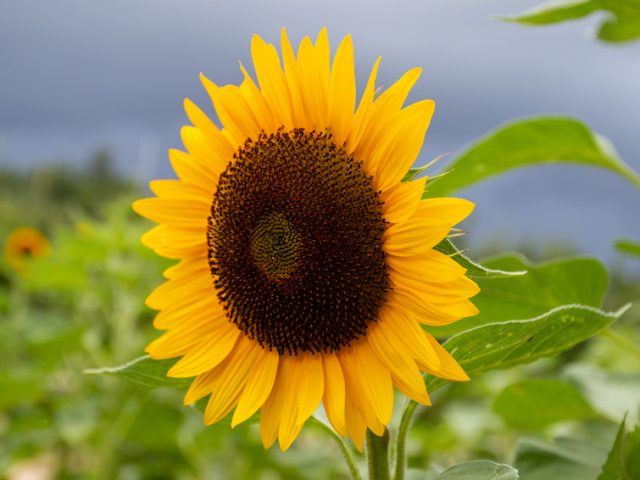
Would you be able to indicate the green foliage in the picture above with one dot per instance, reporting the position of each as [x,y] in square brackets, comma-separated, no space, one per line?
[629,246]
[565,458]
[580,281]
[144,371]
[530,142]
[479,470]
[475,270]
[504,345]
[537,403]
[622,24]
[623,462]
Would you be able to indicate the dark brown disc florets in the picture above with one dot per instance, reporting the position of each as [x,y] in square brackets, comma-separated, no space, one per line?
[295,243]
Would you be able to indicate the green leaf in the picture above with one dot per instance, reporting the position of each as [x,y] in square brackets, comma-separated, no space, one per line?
[144,371]
[623,462]
[628,246]
[565,458]
[530,142]
[507,344]
[537,403]
[475,270]
[546,285]
[621,25]
[479,470]
[610,393]
[20,391]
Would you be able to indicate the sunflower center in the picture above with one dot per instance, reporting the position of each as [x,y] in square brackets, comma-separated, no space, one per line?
[295,243]
[276,247]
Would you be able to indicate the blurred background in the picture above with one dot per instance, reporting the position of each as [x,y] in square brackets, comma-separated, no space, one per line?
[91,100]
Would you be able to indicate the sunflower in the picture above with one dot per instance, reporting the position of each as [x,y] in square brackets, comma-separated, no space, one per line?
[24,244]
[306,264]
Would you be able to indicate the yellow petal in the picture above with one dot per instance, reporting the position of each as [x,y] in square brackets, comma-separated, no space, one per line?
[424,312]
[355,425]
[293,81]
[231,376]
[312,85]
[176,241]
[392,99]
[173,291]
[383,112]
[310,387]
[369,382]
[259,385]
[459,309]
[447,211]
[172,211]
[413,237]
[233,111]
[435,293]
[257,103]
[272,81]
[415,338]
[179,189]
[449,367]
[188,267]
[200,151]
[271,411]
[193,170]
[182,312]
[200,387]
[179,340]
[208,354]
[222,149]
[399,148]
[334,393]
[401,201]
[342,92]
[323,55]
[306,379]
[391,350]
[431,266]
[361,118]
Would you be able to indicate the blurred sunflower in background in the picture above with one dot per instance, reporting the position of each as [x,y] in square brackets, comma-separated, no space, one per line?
[306,264]
[22,245]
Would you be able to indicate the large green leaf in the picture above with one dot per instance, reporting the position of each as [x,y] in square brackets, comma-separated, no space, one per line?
[570,281]
[144,371]
[621,25]
[623,462]
[537,403]
[507,344]
[530,142]
[475,270]
[479,470]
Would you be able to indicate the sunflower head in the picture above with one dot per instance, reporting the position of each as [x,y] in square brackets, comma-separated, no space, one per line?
[22,245]
[306,266]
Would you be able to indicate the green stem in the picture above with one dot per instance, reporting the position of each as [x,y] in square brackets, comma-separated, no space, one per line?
[378,455]
[401,439]
[344,449]
[622,341]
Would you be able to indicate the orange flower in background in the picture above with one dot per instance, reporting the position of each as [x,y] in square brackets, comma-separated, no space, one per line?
[305,266]
[24,244]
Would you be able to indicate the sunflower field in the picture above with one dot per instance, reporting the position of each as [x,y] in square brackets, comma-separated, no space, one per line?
[303,298]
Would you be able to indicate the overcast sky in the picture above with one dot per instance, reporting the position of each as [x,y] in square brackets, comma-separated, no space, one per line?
[76,75]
